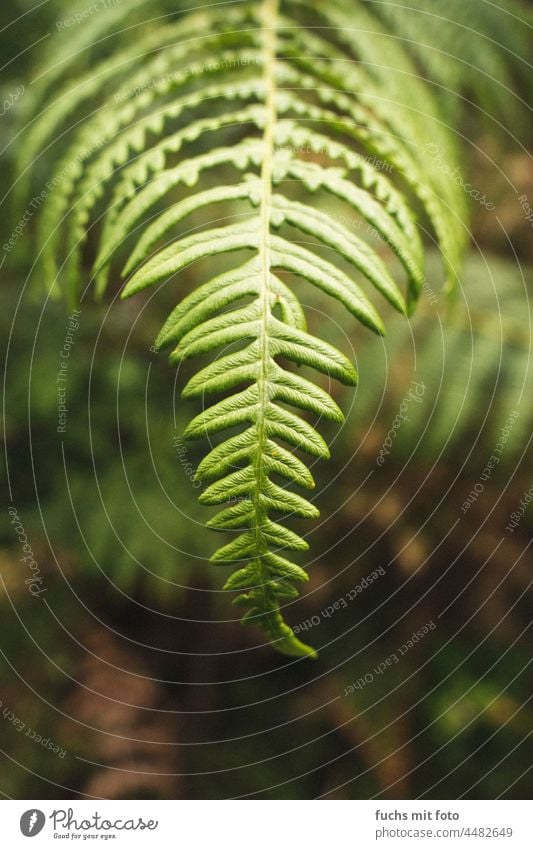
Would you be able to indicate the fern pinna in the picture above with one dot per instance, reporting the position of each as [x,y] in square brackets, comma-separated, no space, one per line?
[251,114]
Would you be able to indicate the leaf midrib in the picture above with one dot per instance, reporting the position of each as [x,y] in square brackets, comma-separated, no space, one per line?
[269,17]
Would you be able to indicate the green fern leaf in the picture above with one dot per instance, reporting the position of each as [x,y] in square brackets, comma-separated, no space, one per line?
[233,165]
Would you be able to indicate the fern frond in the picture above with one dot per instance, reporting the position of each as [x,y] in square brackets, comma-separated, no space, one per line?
[478,49]
[219,141]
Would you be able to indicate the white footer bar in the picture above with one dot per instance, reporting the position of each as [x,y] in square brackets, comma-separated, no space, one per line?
[268,824]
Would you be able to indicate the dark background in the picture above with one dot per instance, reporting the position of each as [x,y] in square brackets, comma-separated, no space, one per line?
[133,660]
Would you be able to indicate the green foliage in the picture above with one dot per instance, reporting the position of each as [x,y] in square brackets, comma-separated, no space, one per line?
[481,353]
[92,490]
[220,133]
[475,50]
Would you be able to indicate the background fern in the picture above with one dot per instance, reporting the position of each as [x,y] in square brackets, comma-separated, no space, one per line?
[483,354]
[273,109]
[476,54]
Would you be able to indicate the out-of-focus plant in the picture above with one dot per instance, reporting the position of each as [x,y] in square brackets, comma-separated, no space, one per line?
[297,100]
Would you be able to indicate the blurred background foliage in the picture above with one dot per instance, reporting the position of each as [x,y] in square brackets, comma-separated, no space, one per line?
[131,662]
